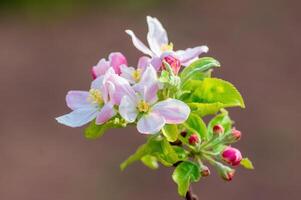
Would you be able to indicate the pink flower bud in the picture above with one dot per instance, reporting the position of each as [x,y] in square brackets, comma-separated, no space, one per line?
[228,176]
[232,156]
[236,134]
[173,62]
[218,129]
[193,139]
[205,171]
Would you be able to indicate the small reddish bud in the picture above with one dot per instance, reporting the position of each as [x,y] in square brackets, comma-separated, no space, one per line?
[236,134]
[218,129]
[232,156]
[225,172]
[173,62]
[205,171]
[183,133]
[193,139]
[229,175]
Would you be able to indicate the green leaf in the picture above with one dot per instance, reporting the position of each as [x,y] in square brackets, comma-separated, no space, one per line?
[246,163]
[150,161]
[198,67]
[212,90]
[195,124]
[184,174]
[222,119]
[203,109]
[158,147]
[171,132]
[94,131]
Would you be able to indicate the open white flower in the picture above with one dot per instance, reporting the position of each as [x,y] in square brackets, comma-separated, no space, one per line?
[152,115]
[159,46]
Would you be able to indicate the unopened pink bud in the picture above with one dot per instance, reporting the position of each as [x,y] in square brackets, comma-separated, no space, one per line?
[218,129]
[173,62]
[193,139]
[229,175]
[232,156]
[236,134]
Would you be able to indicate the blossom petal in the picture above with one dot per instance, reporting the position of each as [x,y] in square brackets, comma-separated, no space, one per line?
[174,111]
[77,99]
[156,62]
[128,109]
[143,62]
[127,73]
[78,117]
[156,36]
[186,55]
[106,113]
[150,123]
[138,44]
[116,60]
[100,69]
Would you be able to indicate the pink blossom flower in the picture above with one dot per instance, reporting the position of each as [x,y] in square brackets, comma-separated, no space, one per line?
[151,115]
[159,46]
[116,60]
[232,156]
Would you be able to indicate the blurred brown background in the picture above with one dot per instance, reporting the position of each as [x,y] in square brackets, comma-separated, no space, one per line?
[48,47]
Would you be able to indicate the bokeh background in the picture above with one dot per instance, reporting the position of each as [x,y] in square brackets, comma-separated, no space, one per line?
[48,47]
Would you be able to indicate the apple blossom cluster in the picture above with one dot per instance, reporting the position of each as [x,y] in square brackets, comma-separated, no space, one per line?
[166,96]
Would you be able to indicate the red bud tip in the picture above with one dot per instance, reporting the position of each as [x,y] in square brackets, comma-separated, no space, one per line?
[232,156]
[236,134]
[193,139]
[205,171]
[218,129]
[229,176]
[173,62]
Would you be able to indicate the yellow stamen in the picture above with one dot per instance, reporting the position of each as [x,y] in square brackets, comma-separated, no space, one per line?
[167,47]
[95,97]
[143,106]
[136,75]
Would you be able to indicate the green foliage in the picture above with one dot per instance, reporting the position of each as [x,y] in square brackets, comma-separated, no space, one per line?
[184,174]
[171,132]
[150,161]
[246,163]
[195,124]
[212,90]
[158,147]
[94,131]
[204,109]
[198,69]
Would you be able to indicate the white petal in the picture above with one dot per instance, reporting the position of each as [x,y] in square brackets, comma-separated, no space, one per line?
[78,117]
[150,123]
[127,73]
[156,36]
[106,113]
[191,53]
[128,109]
[77,99]
[174,111]
[138,44]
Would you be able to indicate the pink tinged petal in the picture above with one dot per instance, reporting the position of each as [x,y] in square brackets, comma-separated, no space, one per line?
[156,62]
[77,99]
[128,109]
[79,117]
[138,44]
[127,73]
[148,80]
[106,113]
[150,123]
[100,69]
[156,36]
[143,62]
[117,59]
[150,94]
[97,83]
[191,53]
[173,111]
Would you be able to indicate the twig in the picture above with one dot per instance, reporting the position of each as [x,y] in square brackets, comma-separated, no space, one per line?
[190,195]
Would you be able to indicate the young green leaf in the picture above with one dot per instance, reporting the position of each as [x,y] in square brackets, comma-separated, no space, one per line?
[184,174]
[171,132]
[221,119]
[150,161]
[94,131]
[198,67]
[246,163]
[204,109]
[195,124]
[213,90]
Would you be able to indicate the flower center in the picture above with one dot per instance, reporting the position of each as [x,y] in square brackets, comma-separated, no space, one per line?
[136,75]
[143,106]
[95,97]
[167,47]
